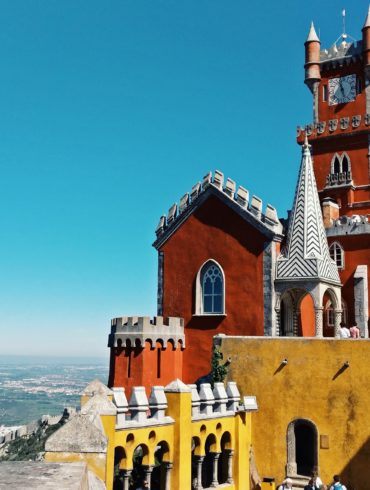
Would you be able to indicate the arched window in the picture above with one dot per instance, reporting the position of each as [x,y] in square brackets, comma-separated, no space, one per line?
[345,163]
[329,310]
[210,290]
[336,165]
[340,170]
[337,254]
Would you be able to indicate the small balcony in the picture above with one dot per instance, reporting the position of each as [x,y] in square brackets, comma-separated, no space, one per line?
[340,178]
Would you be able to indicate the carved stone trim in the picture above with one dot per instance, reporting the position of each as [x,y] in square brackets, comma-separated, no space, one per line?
[333,124]
[309,129]
[321,127]
[344,122]
[356,121]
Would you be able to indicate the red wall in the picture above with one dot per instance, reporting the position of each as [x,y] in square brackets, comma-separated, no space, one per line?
[138,366]
[358,106]
[216,232]
[356,252]
[307,317]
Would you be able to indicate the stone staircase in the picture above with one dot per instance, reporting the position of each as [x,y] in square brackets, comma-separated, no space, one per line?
[299,482]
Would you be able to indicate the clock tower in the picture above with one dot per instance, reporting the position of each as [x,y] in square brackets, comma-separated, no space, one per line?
[338,78]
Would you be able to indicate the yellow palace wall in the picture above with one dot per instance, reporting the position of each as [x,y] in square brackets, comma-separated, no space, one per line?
[178,435]
[313,385]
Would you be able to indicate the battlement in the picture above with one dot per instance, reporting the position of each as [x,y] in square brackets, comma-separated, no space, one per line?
[340,54]
[206,402]
[349,225]
[246,205]
[134,331]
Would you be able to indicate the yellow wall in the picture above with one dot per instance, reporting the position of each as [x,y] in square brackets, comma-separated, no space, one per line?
[178,436]
[312,387]
[96,462]
[179,408]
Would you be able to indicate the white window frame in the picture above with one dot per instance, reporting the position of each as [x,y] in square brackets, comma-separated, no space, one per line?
[199,307]
[334,249]
[340,159]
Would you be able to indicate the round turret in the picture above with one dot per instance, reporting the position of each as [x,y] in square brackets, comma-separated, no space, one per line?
[312,58]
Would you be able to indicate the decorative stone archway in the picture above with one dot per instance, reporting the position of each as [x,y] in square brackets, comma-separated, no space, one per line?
[289,297]
[296,466]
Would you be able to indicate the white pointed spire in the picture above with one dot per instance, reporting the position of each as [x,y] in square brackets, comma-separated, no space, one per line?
[312,36]
[306,146]
[367,20]
[306,253]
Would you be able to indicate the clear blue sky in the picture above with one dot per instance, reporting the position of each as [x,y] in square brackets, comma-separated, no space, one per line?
[109,112]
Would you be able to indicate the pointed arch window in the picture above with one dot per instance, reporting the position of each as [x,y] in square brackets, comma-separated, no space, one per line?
[340,170]
[210,290]
[336,165]
[337,254]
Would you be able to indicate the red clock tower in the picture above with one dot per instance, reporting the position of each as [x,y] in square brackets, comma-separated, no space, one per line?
[339,80]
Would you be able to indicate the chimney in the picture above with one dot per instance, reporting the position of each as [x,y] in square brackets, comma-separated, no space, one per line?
[330,211]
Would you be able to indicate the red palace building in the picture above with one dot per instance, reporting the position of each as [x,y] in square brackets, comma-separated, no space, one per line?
[227,265]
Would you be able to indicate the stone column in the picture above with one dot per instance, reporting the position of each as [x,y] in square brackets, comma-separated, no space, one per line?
[126,479]
[215,469]
[295,322]
[168,467]
[337,321]
[277,324]
[199,461]
[148,474]
[230,455]
[318,321]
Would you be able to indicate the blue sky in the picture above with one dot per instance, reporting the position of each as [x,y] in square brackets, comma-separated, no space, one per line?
[110,112]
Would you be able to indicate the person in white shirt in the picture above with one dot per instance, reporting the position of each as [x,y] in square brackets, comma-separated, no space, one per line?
[286,485]
[344,332]
[316,480]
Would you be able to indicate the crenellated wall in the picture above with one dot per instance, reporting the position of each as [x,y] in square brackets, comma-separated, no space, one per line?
[193,429]
[145,351]
[254,206]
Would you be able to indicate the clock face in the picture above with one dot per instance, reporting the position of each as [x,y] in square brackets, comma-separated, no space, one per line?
[342,90]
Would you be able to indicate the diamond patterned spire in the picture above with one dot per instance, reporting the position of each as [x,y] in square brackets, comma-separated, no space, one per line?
[306,252]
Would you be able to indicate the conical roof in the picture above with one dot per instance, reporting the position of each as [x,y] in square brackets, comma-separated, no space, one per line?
[367,20]
[312,36]
[306,252]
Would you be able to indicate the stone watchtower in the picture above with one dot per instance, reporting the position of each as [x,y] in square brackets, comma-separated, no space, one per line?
[145,351]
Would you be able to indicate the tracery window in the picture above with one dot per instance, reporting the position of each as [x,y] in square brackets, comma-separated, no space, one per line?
[340,170]
[337,254]
[210,290]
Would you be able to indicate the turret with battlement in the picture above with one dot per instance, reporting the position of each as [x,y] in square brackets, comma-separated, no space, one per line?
[339,136]
[145,351]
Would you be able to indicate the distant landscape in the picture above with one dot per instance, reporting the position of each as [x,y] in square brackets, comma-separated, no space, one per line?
[34,386]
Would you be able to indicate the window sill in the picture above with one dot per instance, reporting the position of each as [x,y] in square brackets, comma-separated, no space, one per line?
[209,314]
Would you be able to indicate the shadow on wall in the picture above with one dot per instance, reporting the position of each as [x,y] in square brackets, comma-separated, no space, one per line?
[356,474]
